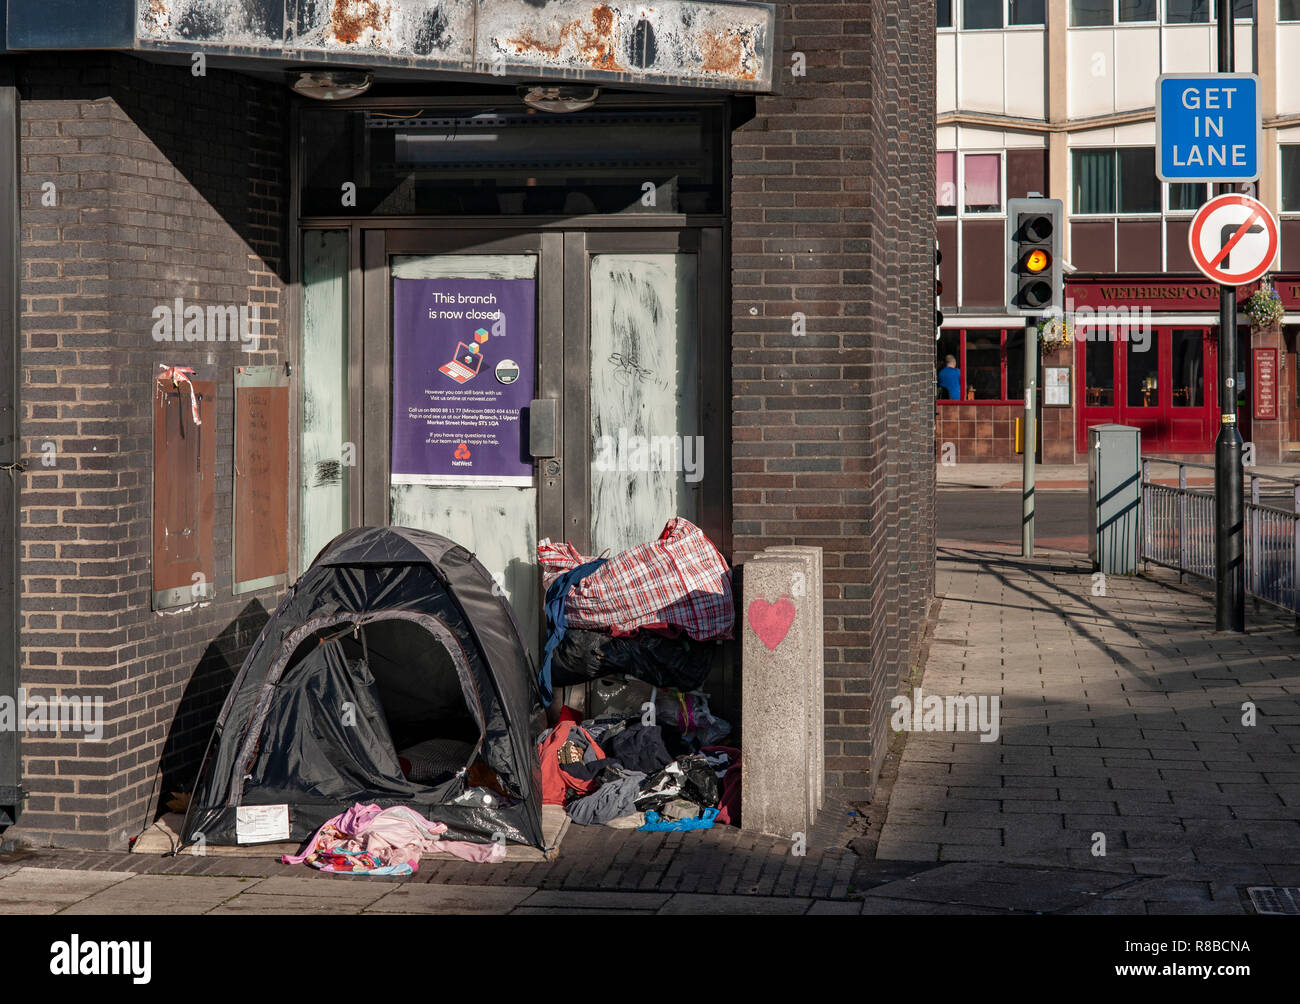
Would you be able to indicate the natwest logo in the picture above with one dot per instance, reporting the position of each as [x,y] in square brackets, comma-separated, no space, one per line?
[461,456]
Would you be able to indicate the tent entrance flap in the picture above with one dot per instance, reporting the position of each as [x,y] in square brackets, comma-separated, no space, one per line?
[364,711]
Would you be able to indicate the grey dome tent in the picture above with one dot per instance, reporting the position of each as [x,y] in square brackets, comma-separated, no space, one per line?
[393,637]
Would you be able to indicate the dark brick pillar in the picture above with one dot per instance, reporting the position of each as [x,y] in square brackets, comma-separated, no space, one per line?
[164,185]
[833,431]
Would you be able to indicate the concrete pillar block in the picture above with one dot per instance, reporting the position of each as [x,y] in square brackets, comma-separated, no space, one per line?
[777,635]
[812,586]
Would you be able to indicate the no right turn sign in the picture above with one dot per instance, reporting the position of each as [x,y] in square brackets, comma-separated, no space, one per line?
[1233,239]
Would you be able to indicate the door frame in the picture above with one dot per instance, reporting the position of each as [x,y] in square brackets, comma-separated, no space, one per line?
[1163,411]
[563,353]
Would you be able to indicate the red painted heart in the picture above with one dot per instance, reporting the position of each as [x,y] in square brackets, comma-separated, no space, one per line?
[771,621]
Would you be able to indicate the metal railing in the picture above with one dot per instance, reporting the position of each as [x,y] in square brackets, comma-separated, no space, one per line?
[1178,530]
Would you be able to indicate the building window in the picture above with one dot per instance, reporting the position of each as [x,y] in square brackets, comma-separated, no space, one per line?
[1091,13]
[1142,367]
[1137,10]
[1115,181]
[1291,179]
[977,14]
[945,184]
[949,345]
[1103,13]
[1188,362]
[1099,374]
[1187,11]
[990,364]
[1288,10]
[1139,189]
[1026,12]
[982,182]
[1094,182]
[943,13]
[1186,198]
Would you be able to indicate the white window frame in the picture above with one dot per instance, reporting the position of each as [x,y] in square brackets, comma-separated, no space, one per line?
[1006,19]
[1152,214]
[1289,214]
[962,214]
[1214,19]
[1161,18]
[1177,214]
[1117,23]
[957,184]
[959,17]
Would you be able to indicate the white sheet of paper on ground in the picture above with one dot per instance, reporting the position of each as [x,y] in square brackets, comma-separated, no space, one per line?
[261,824]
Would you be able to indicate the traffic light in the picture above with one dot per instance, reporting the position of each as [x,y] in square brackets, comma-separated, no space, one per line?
[938,292]
[1034,274]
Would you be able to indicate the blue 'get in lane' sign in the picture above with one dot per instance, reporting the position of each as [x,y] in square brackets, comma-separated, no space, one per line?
[1208,127]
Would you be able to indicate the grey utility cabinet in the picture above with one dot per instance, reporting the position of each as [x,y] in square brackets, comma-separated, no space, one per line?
[1115,498]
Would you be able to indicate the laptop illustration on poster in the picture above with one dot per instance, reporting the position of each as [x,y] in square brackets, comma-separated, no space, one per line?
[464,365]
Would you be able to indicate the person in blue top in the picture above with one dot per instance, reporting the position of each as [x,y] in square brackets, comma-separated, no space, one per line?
[950,379]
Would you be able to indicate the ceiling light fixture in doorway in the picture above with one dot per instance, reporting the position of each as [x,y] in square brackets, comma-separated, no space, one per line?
[333,85]
[559,99]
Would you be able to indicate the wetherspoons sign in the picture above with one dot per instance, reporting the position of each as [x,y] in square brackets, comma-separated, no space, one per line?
[1199,296]
[686,43]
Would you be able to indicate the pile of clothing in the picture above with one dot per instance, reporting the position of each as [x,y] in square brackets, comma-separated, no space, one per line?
[640,770]
[654,612]
[367,840]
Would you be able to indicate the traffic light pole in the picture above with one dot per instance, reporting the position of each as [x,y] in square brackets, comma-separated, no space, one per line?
[1030,440]
[1229,520]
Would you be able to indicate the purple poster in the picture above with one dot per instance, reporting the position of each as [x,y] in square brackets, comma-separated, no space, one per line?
[463,377]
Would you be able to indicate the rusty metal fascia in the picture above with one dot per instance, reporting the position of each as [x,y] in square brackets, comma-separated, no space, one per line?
[728,46]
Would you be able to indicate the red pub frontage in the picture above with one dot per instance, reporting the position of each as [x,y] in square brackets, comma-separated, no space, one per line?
[1145,354]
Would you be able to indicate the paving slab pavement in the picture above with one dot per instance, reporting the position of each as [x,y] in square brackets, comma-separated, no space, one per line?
[1074,477]
[140,894]
[1122,745]
[49,890]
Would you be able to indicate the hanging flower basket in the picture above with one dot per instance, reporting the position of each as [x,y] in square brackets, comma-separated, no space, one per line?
[1055,333]
[1264,308]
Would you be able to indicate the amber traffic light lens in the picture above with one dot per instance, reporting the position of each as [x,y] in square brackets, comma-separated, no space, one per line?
[1037,261]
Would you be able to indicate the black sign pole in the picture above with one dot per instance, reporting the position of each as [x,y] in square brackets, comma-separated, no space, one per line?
[1229,521]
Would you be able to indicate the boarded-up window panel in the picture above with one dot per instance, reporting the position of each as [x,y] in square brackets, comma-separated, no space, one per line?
[1139,246]
[184,494]
[261,513]
[1290,244]
[983,282]
[1180,255]
[1026,172]
[1092,245]
[947,230]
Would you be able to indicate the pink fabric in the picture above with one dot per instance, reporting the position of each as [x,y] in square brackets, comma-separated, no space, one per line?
[397,835]
[945,182]
[679,582]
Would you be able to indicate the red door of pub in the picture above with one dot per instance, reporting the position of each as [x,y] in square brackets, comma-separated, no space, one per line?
[1160,381]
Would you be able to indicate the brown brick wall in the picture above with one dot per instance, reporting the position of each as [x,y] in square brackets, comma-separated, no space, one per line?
[978,433]
[834,431]
[167,185]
